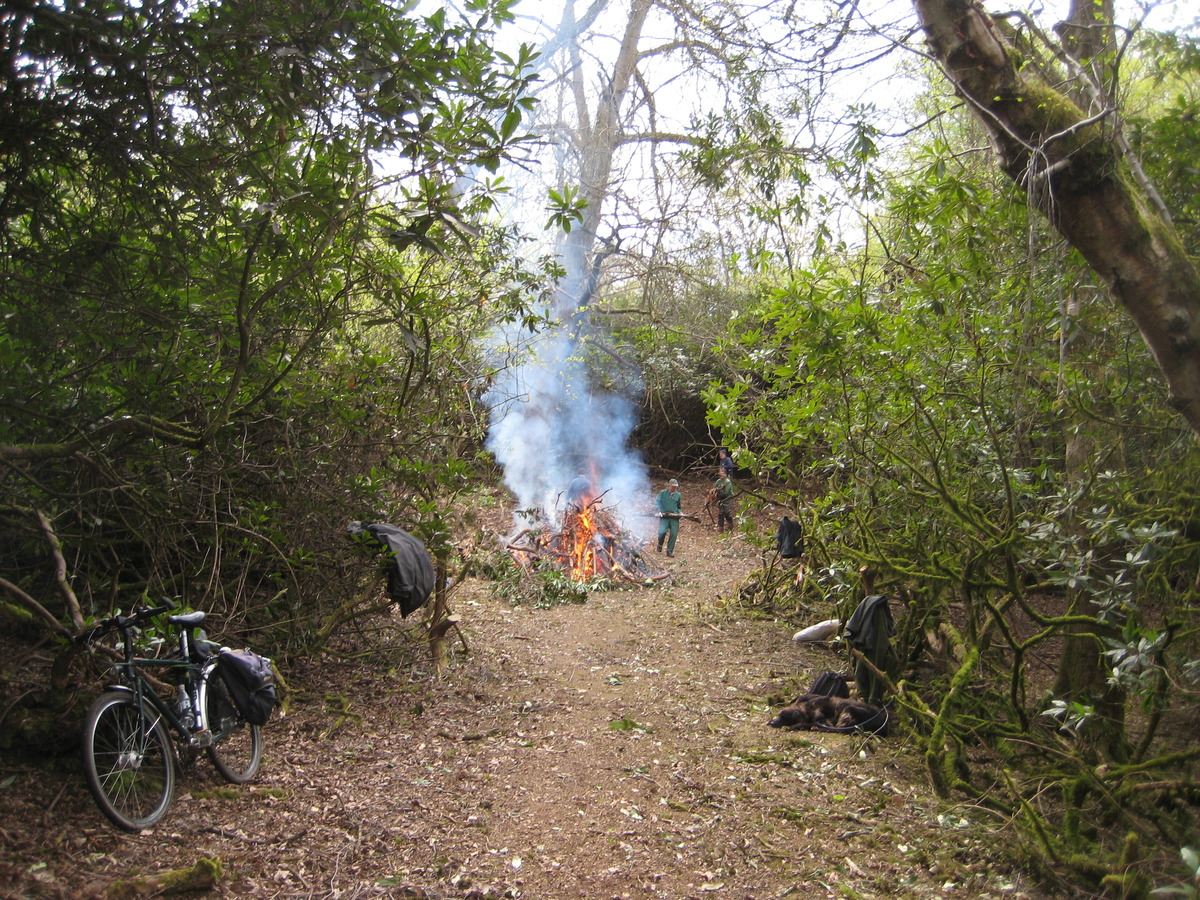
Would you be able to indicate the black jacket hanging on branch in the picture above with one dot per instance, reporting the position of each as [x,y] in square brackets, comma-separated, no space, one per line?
[410,580]
[789,538]
[870,631]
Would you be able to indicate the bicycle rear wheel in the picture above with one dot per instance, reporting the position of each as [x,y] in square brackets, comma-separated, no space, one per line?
[236,751]
[128,761]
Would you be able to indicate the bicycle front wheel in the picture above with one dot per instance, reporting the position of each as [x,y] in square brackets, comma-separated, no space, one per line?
[128,761]
[236,751]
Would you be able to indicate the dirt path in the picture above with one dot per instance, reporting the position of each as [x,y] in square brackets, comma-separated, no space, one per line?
[612,749]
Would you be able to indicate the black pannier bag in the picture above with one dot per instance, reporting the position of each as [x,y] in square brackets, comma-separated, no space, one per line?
[251,684]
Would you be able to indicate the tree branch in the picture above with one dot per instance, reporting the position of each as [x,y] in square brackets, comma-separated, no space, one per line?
[60,570]
[44,613]
[144,425]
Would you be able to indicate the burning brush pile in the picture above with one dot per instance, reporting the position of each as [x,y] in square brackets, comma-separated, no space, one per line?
[589,543]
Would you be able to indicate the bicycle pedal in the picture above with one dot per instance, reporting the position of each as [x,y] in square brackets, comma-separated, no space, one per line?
[202,739]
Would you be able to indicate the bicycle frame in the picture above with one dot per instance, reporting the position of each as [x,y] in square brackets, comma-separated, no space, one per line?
[195,678]
[134,682]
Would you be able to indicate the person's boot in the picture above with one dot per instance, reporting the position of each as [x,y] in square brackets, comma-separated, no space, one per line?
[660,545]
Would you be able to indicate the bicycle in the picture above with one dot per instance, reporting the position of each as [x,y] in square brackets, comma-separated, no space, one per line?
[128,753]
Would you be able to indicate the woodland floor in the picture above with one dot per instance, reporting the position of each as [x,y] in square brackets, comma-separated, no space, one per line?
[612,749]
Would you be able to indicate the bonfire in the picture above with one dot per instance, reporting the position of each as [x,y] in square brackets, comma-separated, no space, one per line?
[588,543]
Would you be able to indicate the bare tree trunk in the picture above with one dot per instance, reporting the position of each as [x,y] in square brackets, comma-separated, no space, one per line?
[440,621]
[1073,170]
[599,137]
[1081,673]
[1087,34]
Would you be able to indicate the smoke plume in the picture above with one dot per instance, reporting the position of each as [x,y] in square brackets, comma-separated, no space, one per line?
[549,425]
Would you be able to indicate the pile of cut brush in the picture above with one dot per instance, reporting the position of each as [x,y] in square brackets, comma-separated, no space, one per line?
[588,543]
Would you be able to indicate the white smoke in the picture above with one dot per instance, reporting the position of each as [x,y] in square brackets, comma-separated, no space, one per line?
[548,426]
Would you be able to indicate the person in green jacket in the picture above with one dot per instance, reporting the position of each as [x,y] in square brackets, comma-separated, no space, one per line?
[724,491]
[670,509]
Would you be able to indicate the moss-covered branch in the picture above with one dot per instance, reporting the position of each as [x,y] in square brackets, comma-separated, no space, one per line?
[1074,173]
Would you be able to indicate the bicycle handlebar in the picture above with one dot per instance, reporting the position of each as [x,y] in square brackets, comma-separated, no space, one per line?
[122,623]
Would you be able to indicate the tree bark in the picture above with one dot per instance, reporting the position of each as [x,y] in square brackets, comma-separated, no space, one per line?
[60,571]
[1074,174]
[1087,34]
[1082,674]
[599,136]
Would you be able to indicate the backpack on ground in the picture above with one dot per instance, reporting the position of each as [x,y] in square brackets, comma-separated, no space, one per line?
[251,683]
[830,684]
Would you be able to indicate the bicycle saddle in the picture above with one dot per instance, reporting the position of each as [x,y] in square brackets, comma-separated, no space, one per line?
[188,619]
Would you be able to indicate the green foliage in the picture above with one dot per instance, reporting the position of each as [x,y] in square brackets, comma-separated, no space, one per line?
[668,329]
[241,278]
[541,588]
[948,406]
[566,208]
[626,723]
[750,153]
[1165,131]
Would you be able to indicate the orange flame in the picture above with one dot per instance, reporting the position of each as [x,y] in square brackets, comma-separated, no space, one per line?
[589,543]
[583,534]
